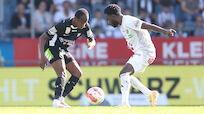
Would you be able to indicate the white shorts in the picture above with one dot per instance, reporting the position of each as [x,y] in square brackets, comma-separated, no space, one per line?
[140,62]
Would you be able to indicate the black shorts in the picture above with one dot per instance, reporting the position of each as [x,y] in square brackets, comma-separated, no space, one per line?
[54,53]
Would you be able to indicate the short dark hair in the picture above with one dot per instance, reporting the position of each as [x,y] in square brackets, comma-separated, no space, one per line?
[82,12]
[112,9]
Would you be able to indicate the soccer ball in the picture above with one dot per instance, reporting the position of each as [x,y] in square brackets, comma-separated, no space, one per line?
[95,95]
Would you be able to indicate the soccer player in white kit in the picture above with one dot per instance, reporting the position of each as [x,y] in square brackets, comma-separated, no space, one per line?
[139,41]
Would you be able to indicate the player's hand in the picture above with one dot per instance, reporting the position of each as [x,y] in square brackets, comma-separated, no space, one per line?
[43,62]
[170,32]
[90,45]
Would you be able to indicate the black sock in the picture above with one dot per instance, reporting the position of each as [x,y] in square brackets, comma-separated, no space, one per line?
[59,87]
[70,85]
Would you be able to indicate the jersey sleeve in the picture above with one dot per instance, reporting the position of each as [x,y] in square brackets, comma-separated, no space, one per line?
[55,29]
[88,33]
[134,23]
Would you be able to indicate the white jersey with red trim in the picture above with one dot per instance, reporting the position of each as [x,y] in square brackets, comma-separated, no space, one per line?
[138,39]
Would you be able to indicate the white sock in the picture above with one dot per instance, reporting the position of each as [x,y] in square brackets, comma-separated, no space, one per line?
[138,85]
[125,87]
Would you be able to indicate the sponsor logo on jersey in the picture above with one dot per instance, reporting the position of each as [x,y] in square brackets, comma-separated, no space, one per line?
[130,36]
[66,42]
[67,31]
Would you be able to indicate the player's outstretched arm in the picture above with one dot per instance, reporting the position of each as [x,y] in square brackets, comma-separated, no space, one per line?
[90,42]
[155,28]
[42,40]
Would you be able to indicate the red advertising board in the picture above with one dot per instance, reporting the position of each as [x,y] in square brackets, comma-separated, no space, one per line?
[110,51]
[25,52]
[106,52]
[180,51]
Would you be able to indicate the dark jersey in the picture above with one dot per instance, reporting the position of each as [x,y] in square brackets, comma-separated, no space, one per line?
[64,34]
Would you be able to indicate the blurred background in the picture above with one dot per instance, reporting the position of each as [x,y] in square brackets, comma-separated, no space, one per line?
[177,72]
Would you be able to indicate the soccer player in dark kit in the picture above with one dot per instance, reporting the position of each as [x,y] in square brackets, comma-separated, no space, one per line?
[55,50]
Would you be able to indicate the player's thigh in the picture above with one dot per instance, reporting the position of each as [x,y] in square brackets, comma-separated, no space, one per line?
[55,58]
[138,63]
[72,65]
[128,68]
[60,67]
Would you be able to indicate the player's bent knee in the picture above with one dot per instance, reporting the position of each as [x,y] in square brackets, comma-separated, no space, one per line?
[78,74]
[124,74]
[121,73]
[62,74]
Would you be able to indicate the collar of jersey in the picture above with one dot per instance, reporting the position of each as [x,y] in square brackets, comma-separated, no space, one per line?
[72,26]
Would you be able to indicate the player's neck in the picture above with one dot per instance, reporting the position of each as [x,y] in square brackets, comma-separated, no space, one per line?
[74,23]
[120,18]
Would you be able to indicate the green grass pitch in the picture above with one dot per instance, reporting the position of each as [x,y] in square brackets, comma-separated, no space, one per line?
[104,110]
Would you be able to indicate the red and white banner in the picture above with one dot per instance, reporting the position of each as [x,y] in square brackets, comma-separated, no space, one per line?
[106,52]
[180,51]
[110,51]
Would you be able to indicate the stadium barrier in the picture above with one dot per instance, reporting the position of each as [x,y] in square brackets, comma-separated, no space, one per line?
[109,51]
[178,85]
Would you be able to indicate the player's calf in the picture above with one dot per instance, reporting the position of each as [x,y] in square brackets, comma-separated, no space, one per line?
[70,85]
[59,86]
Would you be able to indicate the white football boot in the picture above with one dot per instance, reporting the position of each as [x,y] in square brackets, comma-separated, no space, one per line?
[64,103]
[58,104]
